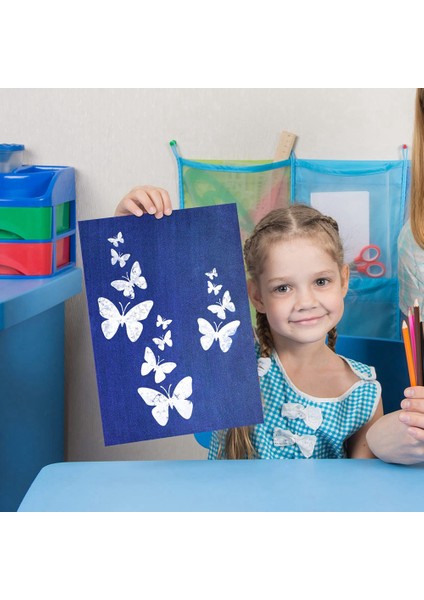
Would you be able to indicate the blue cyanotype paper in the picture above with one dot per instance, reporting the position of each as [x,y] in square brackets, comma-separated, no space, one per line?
[170,324]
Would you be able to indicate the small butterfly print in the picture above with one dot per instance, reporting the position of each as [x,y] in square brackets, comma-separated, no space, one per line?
[163,322]
[214,288]
[163,341]
[126,285]
[160,368]
[131,319]
[223,335]
[118,239]
[212,274]
[162,404]
[117,257]
[221,306]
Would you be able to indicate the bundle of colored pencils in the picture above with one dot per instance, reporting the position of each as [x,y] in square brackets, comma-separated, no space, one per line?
[412,333]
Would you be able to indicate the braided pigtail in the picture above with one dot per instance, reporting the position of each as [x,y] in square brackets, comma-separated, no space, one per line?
[332,339]
[264,334]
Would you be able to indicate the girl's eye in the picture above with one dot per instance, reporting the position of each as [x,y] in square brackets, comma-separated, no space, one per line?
[322,281]
[282,289]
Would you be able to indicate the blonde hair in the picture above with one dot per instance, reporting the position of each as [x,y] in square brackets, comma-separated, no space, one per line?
[417,171]
[297,220]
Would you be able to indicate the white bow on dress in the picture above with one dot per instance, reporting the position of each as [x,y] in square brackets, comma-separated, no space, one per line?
[306,443]
[312,415]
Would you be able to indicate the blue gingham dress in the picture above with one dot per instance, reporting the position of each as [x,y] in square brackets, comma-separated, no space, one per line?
[297,425]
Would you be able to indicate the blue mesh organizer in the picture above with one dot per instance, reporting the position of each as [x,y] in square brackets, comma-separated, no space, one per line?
[372,194]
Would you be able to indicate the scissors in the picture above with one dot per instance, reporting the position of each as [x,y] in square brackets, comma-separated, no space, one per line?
[366,262]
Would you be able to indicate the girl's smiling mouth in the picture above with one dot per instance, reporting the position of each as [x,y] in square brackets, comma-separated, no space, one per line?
[308,320]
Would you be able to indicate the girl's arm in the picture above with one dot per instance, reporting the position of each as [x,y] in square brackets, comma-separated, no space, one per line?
[357,446]
[145,199]
[399,436]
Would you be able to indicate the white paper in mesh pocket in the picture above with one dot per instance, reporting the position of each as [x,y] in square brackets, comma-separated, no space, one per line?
[351,210]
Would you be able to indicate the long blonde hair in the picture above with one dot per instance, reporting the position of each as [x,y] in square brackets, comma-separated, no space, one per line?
[417,171]
[297,220]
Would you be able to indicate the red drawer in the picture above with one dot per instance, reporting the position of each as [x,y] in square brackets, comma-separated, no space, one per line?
[33,258]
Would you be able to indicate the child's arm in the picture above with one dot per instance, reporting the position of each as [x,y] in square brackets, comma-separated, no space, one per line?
[357,445]
[145,199]
[398,437]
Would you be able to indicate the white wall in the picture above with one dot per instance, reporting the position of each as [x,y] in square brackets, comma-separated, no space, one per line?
[117,138]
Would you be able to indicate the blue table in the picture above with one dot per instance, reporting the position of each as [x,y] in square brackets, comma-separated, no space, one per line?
[201,485]
[32,323]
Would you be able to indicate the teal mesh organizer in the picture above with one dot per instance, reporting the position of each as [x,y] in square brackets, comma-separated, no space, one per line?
[367,198]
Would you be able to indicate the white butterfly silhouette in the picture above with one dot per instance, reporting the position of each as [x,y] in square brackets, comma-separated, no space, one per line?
[210,335]
[126,285]
[163,322]
[162,404]
[131,319]
[160,368]
[118,239]
[221,306]
[212,274]
[214,288]
[117,257]
[164,340]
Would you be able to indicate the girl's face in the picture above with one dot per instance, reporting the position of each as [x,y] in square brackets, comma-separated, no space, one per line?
[301,290]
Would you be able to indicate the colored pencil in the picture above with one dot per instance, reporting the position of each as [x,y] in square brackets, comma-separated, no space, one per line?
[411,323]
[408,354]
[418,342]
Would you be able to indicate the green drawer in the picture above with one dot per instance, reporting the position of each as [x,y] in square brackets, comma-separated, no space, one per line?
[62,217]
[17,223]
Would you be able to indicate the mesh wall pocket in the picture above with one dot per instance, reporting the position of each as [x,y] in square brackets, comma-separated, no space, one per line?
[367,198]
[255,186]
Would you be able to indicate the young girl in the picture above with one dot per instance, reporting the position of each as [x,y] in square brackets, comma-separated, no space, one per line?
[316,403]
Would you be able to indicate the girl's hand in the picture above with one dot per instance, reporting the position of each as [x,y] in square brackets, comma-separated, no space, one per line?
[145,199]
[412,413]
[398,437]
